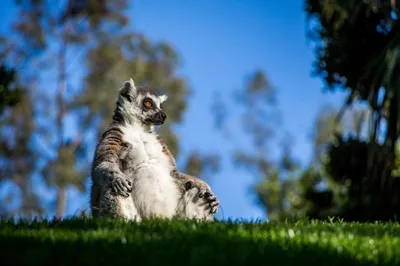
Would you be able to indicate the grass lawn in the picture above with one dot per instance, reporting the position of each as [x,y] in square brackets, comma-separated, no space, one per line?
[85,241]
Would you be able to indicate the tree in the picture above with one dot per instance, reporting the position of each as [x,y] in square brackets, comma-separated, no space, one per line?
[17,158]
[357,48]
[293,191]
[9,95]
[258,96]
[352,172]
[312,191]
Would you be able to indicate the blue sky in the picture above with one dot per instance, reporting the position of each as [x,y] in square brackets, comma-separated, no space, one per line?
[220,42]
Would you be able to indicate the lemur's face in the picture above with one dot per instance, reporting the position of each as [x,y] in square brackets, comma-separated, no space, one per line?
[151,106]
[143,104]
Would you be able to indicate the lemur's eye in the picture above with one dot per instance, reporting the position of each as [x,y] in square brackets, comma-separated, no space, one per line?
[148,104]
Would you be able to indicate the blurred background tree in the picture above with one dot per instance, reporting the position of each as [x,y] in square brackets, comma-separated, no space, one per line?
[9,94]
[357,49]
[259,120]
[354,171]
[17,158]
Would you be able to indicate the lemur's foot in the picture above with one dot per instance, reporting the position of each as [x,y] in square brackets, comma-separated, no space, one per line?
[211,201]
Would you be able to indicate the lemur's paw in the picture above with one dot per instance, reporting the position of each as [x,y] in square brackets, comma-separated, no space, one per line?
[121,185]
[211,199]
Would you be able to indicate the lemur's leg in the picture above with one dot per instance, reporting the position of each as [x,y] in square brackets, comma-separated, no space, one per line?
[95,200]
[201,194]
[104,201]
[116,206]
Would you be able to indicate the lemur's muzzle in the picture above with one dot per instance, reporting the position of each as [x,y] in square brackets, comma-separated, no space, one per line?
[159,117]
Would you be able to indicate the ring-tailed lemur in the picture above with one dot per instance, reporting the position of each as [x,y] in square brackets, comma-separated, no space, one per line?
[134,176]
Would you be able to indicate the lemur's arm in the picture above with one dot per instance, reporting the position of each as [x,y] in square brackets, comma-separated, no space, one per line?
[105,169]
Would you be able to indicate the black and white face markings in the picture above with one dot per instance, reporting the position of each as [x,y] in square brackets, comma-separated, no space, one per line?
[152,110]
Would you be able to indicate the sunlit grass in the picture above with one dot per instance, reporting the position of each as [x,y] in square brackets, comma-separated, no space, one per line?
[154,242]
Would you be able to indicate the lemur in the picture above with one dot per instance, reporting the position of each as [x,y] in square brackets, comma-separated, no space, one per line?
[134,175]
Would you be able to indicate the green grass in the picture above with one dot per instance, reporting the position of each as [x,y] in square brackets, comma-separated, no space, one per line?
[85,241]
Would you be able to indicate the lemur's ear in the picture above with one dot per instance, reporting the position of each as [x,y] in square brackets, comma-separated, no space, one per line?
[163,98]
[128,89]
[188,185]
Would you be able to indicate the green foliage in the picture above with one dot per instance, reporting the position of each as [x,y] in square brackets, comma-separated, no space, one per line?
[327,185]
[177,242]
[357,48]
[8,96]
[396,168]
[351,51]
[17,156]
[259,120]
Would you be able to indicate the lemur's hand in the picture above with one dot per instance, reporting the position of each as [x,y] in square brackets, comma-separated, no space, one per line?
[210,200]
[121,185]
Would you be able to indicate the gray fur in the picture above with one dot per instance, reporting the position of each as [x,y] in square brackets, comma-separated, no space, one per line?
[121,188]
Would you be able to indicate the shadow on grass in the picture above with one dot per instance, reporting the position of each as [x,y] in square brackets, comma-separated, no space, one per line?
[160,245]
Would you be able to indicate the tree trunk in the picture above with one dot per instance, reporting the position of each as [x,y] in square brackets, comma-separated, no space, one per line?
[61,200]
[62,79]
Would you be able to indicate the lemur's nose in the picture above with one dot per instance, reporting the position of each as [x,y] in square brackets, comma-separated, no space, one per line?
[160,116]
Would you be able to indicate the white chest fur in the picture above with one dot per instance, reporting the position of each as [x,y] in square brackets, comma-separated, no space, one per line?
[154,190]
[146,148]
